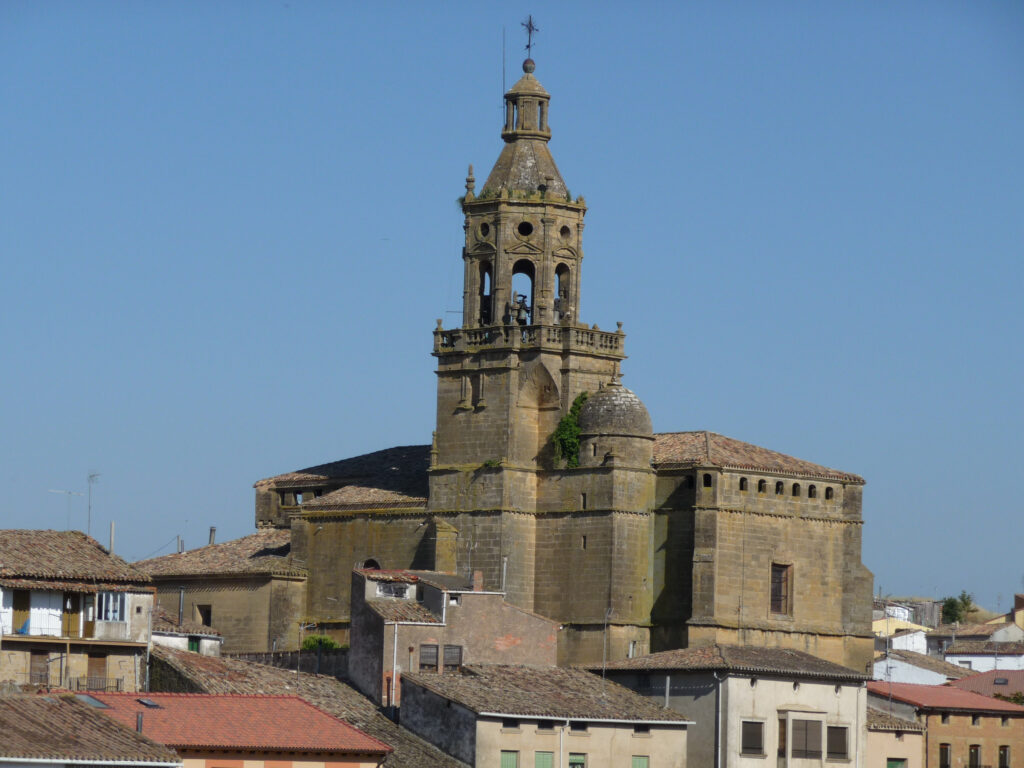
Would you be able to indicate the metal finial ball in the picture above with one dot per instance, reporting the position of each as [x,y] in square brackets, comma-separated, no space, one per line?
[528,66]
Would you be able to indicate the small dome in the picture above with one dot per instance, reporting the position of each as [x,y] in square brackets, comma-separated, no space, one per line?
[615,410]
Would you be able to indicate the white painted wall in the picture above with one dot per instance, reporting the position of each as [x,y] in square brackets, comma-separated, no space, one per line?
[44,612]
[986,662]
[897,671]
[912,641]
[6,611]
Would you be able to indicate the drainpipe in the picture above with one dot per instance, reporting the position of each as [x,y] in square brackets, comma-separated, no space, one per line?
[394,671]
[181,605]
[718,720]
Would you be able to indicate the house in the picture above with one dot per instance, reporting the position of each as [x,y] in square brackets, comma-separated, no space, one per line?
[997,683]
[945,635]
[263,731]
[1014,616]
[72,615]
[249,588]
[963,728]
[768,701]
[428,621]
[511,716]
[981,656]
[60,731]
[180,671]
[176,632]
[899,666]
[893,742]
[906,639]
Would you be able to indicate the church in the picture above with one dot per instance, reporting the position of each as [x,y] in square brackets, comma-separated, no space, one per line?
[545,475]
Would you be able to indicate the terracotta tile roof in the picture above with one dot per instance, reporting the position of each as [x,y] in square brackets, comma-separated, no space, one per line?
[883,721]
[931,663]
[164,622]
[740,658]
[555,692]
[265,552]
[393,477]
[942,697]
[985,682]
[233,721]
[983,648]
[61,555]
[210,674]
[395,576]
[60,728]
[87,587]
[967,630]
[703,449]
[402,610]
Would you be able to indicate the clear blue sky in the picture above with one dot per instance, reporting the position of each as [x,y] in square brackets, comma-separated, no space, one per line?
[226,230]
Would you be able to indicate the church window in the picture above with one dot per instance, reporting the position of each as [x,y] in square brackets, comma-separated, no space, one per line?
[583,542]
[561,290]
[593,449]
[523,272]
[812,492]
[829,493]
[796,489]
[762,486]
[298,497]
[565,232]
[743,483]
[525,228]
[486,277]
[782,579]
[485,229]
[778,488]
[707,480]
[583,501]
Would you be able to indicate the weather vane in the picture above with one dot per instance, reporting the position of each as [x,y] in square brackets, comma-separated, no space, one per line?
[530,28]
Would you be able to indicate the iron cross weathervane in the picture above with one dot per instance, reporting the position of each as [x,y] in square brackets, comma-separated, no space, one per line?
[530,28]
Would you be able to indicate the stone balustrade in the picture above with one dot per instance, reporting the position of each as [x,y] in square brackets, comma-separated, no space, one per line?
[560,338]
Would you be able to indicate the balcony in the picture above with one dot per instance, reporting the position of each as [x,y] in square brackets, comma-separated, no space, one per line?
[554,338]
[102,684]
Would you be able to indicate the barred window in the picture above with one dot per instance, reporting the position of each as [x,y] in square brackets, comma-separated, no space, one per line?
[428,658]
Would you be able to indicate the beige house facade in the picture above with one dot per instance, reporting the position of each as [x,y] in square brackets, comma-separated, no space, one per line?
[894,742]
[754,704]
[72,615]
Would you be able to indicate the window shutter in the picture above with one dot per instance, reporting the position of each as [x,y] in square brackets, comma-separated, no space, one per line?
[428,657]
[641,761]
[752,742]
[452,656]
[837,742]
[544,760]
[509,759]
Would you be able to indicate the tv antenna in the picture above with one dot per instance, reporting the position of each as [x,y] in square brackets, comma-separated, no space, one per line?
[531,29]
[69,494]
[92,478]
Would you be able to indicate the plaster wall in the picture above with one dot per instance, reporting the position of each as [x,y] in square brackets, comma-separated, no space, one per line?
[896,671]
[883,746]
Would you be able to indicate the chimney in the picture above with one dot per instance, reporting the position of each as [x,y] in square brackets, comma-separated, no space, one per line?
[181,545]
[138,722]
[213,535]
[111,550]
[478,581]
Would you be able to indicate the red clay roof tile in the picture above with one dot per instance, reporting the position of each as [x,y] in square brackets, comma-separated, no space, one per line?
[942,697]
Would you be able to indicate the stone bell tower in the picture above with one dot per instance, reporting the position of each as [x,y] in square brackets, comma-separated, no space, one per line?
[521,355]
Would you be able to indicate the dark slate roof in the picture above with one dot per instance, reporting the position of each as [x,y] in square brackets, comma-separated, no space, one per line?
[984,648]
[986,683]
[452,582]
[884,721]
[555,692]
[391,478]
[166,623]
[942,697]
[739,658]
[61,555]
[931,663]
[60,728]
[402,610]
[708,449]
[265,552]
[211,674]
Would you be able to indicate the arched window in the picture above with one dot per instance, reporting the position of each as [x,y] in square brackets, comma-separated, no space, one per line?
[523,274]
[796,489]
[369,564]
[743,483]
[762,486]
[707,480]
[562,302]
[778,488]
[812,492]
[829,493]
[486,278]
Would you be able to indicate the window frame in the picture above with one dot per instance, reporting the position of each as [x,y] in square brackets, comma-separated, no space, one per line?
[806,738]
[780,594]
[111,607]
[945,755]
[509,758]
[837,729]
[431,651]
[744,750]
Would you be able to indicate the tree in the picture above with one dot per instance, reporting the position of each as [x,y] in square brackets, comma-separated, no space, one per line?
[955,609]
[313,642]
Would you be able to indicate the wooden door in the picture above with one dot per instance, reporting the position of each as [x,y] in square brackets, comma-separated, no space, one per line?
[97,672]
[69,617]
[39,668]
